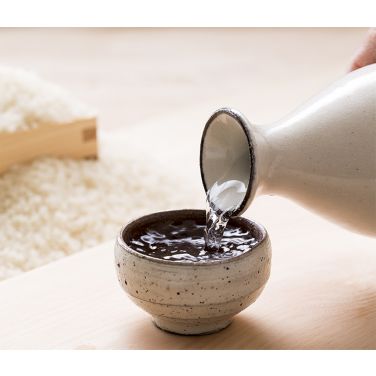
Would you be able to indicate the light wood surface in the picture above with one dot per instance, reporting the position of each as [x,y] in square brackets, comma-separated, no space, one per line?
[73,140]
[321,294]
[154,91]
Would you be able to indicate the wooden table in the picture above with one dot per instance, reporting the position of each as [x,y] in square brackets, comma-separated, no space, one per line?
[322,290]
[321,296]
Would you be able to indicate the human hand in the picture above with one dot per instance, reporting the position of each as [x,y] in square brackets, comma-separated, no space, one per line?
[367,53]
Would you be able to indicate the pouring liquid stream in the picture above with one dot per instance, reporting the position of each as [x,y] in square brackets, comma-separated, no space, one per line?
[222,200]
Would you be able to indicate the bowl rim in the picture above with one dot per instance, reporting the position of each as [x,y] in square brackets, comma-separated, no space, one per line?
[120,242]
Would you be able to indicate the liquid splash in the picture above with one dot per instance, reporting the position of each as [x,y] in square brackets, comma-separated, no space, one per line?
[184,241]
[222,200]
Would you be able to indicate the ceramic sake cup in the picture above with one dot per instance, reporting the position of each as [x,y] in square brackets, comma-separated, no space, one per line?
[186,297]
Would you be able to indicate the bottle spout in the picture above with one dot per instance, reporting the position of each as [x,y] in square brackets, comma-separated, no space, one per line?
[227,152]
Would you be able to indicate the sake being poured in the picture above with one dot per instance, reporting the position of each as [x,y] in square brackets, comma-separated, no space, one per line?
[222,200]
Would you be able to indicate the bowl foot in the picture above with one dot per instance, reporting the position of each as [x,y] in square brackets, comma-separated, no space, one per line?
[192,327]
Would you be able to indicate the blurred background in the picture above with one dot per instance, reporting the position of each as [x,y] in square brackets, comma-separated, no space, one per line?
[134,76]
[167,82]
[153,90]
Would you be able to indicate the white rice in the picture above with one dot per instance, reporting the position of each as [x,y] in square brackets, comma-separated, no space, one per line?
[27,101]
[52,208]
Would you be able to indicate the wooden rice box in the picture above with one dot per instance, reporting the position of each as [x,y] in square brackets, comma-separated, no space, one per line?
[74,140]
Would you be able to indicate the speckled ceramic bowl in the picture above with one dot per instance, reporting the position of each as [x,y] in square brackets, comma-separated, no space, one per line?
[192,297]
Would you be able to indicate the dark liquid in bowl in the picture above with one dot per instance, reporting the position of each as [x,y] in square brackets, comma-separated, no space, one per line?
[184,240]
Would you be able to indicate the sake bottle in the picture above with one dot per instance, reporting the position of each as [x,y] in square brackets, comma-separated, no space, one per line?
[322,155]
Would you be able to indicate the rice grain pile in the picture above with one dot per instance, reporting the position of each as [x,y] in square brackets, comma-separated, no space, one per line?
[27,101]
[52,208]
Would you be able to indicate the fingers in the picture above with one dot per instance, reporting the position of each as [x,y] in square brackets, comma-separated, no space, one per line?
[367,53]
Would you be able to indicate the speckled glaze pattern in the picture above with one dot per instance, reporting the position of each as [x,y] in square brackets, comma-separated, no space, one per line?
[322,155]
[192,298]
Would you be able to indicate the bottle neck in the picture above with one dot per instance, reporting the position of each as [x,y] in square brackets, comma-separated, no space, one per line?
[262,162]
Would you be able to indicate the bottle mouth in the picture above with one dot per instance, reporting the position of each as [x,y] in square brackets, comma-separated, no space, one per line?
[227,153]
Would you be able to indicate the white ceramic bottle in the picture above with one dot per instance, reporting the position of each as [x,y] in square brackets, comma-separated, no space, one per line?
[322,155]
